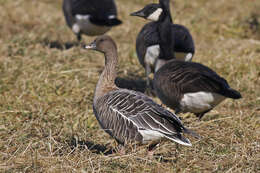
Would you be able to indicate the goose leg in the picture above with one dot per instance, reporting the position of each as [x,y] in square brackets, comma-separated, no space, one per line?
[148,72]
[150,149]
[200,115]
[79,37]
[121,149]
[177,151]
[177,111]
[148,90]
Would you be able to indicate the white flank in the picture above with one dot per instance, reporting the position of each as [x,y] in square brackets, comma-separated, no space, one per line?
[155,15]
[150,135]
[88,28]
[152,53]
[111,17]
[200,101]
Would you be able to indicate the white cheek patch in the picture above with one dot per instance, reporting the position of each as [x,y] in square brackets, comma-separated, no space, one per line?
[200,101]
[152,53]
[155,15]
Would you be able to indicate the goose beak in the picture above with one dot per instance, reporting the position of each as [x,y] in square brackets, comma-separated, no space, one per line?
[138,13]
[91,46]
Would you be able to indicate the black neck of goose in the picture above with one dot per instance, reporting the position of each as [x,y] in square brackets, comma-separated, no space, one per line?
[107,78]
[166,14]
[166,41]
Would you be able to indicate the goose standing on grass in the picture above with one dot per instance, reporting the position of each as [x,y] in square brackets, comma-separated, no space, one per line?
[161,34]
[128,115]
[191,87]
[90,17]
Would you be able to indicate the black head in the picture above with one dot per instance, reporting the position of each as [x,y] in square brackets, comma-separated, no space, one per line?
[154,12]
[102,44]
[151,12]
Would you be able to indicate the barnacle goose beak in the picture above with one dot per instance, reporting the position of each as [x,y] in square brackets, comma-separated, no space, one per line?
[91,45]
[138,13]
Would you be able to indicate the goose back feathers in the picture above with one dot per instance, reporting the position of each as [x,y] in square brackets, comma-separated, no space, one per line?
[128,115]
[191,87]
[90,17]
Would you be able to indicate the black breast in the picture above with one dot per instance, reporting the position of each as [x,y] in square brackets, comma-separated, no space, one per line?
[149,36]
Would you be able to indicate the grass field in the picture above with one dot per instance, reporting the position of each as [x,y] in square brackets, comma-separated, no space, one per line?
[46,90]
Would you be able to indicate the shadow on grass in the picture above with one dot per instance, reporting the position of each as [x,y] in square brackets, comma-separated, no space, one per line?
[91,146]
[104,150]
[133,84]
[59,45]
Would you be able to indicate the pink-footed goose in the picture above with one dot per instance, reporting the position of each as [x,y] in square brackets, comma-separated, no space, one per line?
[128,115]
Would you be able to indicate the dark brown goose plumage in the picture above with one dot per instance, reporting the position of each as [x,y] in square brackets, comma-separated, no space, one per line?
[191,87]
[129,115]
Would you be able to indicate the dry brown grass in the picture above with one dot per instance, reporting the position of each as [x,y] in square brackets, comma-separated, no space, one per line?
[46,93]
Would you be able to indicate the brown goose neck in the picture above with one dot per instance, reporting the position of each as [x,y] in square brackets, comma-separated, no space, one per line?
[107,78]
[110,71]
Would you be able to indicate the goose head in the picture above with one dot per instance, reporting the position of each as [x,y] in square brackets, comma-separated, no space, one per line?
[154,12]
[104,44]
[151,12]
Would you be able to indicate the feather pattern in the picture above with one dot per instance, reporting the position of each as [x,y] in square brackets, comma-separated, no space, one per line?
[129,115]
[177,78]
[124,114]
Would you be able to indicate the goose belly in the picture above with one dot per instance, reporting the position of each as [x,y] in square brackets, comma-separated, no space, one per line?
[84,25]
[152,53]
[200,101]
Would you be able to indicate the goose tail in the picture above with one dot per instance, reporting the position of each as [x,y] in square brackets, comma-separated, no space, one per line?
[231,93]
[179,139]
